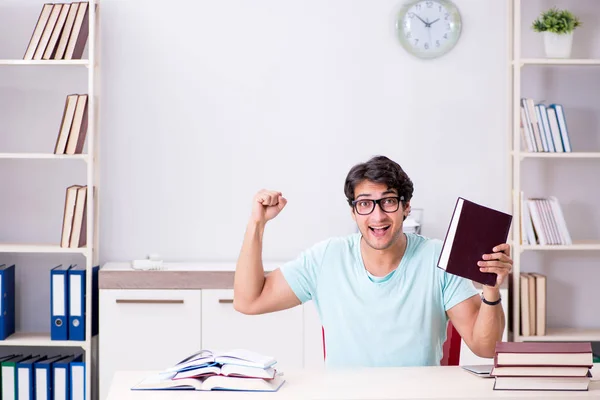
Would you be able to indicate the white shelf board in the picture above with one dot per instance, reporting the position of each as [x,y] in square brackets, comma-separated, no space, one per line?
[574,154]
[565,334]
[577,245]
[44,156]
[39,248]
[44,62]
[557,61]
[39,339]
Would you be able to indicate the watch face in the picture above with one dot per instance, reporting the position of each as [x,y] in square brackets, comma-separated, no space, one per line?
[429,29]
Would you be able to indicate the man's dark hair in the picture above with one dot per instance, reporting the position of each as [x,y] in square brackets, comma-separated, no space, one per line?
[379,169]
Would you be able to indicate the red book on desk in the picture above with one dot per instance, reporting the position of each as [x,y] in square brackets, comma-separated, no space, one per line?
[474,231]
[573,354]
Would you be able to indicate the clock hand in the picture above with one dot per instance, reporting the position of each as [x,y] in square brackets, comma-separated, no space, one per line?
[422,20]
[435,20]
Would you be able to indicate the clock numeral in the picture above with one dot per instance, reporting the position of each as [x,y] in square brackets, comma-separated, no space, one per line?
[448,26]
[416,41]
[409,35]
[437,43]
[418,7]
[411,15]
[426,46]
[440,9]
[429,4]
[447,16]
[445,36]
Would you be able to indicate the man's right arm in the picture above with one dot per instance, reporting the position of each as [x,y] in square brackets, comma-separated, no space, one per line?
[253,293]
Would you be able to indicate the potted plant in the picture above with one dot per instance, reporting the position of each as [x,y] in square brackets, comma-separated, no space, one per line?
[557,26]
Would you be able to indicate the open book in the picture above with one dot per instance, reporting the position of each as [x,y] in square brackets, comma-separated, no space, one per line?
[226,370]
[165,381]
[239,357]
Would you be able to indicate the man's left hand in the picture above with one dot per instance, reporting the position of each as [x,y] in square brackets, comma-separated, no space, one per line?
[499,262]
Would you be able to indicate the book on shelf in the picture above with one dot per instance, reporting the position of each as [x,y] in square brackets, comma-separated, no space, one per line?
[474,230]
[542,366]
[61,32]
[74,227]
[533,304]
[543,222]
[543,128]
[73,126]
[239,370]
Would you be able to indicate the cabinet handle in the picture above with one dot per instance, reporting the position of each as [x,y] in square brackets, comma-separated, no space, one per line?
[149,301]
[226,301]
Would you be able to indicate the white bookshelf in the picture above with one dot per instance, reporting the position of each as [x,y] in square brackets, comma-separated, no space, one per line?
[44,156]
[45,62]
[521,161]
[90,163]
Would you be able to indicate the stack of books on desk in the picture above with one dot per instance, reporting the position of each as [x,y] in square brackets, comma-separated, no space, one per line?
[239,370]
[542,366]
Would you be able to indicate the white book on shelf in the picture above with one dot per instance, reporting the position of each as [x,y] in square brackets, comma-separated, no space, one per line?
[562,124]
[554,129]
[560,219]
[526,131]
[544,123]
[537,222]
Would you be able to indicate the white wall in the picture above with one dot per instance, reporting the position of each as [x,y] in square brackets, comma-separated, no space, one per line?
[205,102]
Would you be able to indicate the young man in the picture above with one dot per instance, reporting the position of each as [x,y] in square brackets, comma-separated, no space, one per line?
[380,296]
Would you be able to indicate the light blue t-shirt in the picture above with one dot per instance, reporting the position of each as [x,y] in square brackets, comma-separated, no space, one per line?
[396,320]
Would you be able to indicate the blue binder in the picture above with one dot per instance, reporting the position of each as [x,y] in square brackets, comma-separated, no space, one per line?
[77,384]
[61,370]
[43,378]
[59,310]
[25,382]
[77,302]
[7,301]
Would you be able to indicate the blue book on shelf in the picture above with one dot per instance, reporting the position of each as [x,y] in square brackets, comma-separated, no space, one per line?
[43,378]
[25,381]
[77,384]
[59,311]
[61,371]
[7,300]
[77,302]
[562,126]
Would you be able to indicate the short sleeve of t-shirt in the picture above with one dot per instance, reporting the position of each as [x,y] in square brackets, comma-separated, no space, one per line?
[302,273]
[456,289]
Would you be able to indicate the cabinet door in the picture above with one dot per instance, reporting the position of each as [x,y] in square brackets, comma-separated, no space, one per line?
[276,334]
[146,330]
[313,338]
[467,357]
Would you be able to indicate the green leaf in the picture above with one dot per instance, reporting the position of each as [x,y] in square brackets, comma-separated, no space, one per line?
[557,21]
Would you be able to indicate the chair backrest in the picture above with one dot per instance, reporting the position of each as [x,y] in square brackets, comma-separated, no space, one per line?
[451,347]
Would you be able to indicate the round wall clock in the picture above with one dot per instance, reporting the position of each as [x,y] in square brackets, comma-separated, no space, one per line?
[428,28]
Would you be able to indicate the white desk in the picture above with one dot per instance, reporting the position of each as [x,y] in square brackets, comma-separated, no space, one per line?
[377,383]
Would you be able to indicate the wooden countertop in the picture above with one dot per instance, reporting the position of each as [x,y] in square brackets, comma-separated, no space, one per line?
[120,275]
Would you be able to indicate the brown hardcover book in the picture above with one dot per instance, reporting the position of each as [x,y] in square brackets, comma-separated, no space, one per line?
[79,34]
[540,371]
[66,32]
[65,124]
[474,231]
[78,231]
[79,127]
[70,199]
[38,31]
[553,383]
[58,28]
[550,354]
[39,51]
[540,303]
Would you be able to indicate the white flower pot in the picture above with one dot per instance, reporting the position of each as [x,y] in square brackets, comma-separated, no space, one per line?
[558,45]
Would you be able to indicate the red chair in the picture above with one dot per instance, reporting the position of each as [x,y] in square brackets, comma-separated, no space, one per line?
[451,347]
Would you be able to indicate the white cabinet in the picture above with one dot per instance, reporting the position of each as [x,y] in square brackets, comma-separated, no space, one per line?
[313,338]
[146,330]
[467,357]
[276,334]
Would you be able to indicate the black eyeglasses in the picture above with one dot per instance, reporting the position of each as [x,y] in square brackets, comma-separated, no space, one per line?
[387,204]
